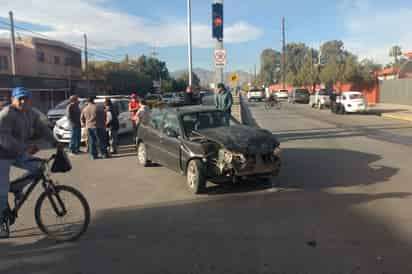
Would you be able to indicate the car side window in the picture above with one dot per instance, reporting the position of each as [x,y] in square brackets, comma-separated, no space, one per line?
[171,122]
[124,106]
[156,119]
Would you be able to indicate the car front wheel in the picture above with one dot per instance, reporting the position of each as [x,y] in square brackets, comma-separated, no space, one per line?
[142,154]
[196,179]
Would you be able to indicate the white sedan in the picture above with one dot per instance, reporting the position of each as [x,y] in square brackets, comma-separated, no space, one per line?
[351,102]
[62,129]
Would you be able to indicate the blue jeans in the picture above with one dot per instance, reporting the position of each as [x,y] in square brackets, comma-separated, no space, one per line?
[23,162]
[75,139]
[97,137]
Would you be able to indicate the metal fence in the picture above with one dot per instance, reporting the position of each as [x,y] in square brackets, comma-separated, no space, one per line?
[396,91]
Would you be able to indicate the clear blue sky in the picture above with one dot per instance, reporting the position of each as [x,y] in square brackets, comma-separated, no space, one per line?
[367,27]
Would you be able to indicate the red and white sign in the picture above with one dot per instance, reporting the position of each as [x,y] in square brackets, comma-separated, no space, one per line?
[220,57]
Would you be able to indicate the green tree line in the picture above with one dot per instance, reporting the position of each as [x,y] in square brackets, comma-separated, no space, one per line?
[306,66]
[137,75]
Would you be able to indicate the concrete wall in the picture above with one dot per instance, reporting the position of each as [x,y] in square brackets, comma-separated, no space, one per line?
[396,92]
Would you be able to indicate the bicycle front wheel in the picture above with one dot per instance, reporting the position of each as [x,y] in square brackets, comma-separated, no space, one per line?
[62,213]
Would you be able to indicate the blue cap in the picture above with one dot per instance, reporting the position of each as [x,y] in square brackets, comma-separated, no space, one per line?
[20,92]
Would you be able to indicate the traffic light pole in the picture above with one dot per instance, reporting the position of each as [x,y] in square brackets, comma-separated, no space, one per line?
[219,78]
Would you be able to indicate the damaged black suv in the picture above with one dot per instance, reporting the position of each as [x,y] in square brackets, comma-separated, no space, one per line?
[204,144]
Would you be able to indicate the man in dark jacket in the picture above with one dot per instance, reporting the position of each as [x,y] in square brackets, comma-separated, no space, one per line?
[224,99]
[189,98]
[73,115]
[18,124]
[112,125]
[93,119]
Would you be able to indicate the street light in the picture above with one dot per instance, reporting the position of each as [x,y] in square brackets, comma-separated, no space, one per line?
[189,39]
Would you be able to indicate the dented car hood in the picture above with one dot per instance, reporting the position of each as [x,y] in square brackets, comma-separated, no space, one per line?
[242,139]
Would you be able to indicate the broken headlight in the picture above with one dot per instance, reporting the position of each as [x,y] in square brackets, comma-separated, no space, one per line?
[277,151]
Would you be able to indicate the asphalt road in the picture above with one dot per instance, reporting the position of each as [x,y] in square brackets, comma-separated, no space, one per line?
[342,204]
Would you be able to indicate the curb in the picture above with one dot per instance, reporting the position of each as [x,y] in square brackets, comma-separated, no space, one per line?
[246,116]
[398,117]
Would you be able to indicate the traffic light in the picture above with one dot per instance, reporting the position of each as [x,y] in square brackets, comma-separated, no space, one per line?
[217,21]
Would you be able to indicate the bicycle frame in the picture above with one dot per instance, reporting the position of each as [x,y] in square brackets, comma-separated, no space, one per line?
[43,177]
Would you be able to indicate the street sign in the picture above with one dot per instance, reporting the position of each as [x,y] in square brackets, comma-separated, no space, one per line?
[220,57]
[234,78]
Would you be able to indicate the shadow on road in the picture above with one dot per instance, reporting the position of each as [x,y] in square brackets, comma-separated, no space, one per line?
[286,232]
[321,168]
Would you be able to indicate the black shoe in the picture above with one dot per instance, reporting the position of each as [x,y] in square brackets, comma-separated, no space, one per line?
[4,231]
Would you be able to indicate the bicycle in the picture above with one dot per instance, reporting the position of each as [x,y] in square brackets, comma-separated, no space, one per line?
[272,104]
[56,196]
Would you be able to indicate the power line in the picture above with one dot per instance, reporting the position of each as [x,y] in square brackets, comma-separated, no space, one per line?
[95,51]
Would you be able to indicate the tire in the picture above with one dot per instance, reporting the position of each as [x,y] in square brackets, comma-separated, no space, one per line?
[341,110]
[196,179]
[142,156]
[56,195]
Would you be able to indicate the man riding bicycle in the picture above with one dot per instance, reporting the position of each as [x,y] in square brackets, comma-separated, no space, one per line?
[19,123]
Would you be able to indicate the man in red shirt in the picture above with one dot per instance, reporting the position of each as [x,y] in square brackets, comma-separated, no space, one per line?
[134,107]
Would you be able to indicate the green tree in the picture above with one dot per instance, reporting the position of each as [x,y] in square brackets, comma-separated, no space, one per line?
[152,67]
[126,81]
[269,66]
[308,74]
[331,73]
[184,79]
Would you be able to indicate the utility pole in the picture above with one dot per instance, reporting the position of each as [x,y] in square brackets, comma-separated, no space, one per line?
[255,75]
[86,64]
[283,54]
[218,23]
[12,45]
[189,40]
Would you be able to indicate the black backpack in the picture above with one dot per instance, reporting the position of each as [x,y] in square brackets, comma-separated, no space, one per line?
[61,163]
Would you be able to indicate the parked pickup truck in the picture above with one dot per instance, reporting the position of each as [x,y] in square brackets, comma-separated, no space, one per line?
[320,99]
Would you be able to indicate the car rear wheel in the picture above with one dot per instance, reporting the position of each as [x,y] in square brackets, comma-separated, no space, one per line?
[196,179]
[142,154]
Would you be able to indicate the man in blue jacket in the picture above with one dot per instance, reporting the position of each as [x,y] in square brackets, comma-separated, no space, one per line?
[18,124]
[224,99]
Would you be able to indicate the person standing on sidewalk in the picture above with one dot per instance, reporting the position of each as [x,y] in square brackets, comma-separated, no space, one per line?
[93,119]
[134,107]
[112,125]
[18,124]
[73,115]
[189,98]
[224,100]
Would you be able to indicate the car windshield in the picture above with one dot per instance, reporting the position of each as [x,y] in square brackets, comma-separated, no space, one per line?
[283,91]
[302,91]
[193,122]
[324,92]
[355,96]
[62,105]
[152,97]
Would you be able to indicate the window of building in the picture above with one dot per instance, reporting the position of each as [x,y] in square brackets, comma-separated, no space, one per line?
[57,60]
[67,61]
[41,57]
[4,63]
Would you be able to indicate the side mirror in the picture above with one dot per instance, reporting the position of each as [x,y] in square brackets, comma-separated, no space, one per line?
[171,133]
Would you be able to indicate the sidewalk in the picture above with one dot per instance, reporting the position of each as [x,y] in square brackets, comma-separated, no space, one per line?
[400,112]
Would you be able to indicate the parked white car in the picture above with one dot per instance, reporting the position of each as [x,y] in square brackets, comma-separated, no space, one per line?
[320,99]
[256,95]
[62,129]
[350,102]
[282,94]
[171,98]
